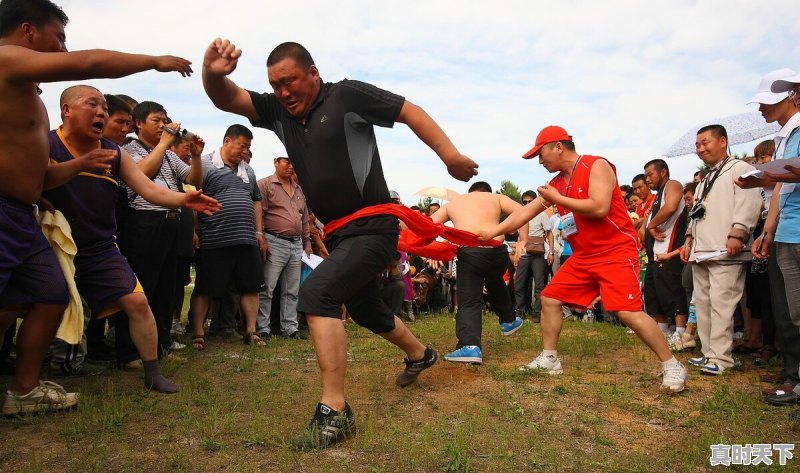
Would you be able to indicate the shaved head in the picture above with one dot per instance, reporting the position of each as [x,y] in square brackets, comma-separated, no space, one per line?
[75,92]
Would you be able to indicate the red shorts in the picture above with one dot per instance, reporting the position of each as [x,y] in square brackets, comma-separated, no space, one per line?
[578,282]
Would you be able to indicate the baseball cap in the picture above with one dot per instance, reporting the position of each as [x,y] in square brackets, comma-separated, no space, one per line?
[279,153]
[548,134]
[765,94]
[786,84]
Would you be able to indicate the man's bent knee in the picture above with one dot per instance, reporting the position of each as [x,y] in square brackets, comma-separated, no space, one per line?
[136,306]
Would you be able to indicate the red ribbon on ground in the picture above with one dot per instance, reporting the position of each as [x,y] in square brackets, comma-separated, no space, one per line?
[420,238]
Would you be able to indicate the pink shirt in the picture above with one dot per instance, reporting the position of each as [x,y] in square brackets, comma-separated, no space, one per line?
[282,214]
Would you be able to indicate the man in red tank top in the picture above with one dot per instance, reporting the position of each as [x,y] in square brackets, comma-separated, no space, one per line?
[605,250]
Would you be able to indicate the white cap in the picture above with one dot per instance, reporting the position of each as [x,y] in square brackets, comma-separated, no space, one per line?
[786,84]
[765,92]
[279,152]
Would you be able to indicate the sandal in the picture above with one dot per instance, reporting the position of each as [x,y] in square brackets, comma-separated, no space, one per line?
[199,342]
[252,338]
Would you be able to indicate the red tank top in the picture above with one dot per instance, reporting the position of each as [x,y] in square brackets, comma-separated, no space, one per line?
[612,236]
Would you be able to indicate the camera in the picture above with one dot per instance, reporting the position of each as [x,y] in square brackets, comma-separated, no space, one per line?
[180,132]
[698,211]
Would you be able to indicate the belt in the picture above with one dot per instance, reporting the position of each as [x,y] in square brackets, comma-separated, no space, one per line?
[293,239]
[165,214]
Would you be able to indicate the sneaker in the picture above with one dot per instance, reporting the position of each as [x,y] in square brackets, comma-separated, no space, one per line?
[176,346]
[133,365]
[177,328]
[712,368]
[550,364]
[682,342]
[674,378]
[466,354]
[79,371]
[511,327]
[326,428]
[698,361]
[414,368]
[297,335]
[46,397]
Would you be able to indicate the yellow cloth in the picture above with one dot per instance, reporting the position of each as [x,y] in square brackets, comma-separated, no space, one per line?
[57,231]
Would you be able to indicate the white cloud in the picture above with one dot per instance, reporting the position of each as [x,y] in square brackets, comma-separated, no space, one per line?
[626,78]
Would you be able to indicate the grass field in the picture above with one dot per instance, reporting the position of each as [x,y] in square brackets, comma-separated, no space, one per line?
[238,406]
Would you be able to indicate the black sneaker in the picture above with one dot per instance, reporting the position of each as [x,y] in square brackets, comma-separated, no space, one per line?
[83,370]
[414,368]
[326,428]
[297,335]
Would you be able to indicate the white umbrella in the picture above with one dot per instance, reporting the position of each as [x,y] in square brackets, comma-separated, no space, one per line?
[437,192]
[742,128]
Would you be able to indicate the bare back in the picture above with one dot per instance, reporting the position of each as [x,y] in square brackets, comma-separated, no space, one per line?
[476,211]
[24,151]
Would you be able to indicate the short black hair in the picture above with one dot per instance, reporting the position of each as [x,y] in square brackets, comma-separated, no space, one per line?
[235,131]
[690,187]
[116,104]
[436,204]
[480,186]
[659,164]
[143,110]
[14,13]
[129,100]
[292,50]
[638,177]
[529,193]
[718,131]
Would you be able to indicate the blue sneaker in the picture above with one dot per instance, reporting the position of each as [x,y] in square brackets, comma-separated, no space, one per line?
[712,369]
[698,361]
[511,327]
[466,354]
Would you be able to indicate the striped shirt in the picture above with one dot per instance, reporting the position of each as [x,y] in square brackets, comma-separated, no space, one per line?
[234,224]
[173,172]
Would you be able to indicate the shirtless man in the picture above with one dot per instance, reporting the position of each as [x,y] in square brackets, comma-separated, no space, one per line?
[479,267]
[32,51]
[605,250]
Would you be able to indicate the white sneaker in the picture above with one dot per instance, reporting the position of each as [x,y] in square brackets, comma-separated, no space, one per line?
[683,342]
[177,328]
[46,397]
[674,378]
[177,346]
[549,364]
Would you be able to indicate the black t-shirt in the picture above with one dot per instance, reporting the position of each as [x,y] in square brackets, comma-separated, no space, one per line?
[335,154]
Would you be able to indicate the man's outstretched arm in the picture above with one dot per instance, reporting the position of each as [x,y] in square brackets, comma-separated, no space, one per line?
[458,165]
[23,64]
[219,61]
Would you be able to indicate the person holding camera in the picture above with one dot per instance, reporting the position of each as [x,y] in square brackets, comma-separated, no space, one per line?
[717,242]
[148,235]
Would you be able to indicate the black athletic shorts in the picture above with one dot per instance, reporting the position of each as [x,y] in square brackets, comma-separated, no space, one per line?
[216,267]
[349,276]
[663,289]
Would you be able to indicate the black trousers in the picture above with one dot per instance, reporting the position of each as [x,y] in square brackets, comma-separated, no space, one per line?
[479,268]
[531,273]
[150,242]
[787,331]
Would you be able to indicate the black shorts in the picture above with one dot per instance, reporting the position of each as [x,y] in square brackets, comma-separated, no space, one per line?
[350,276]
[217,266]
[663,289]
[29,270]
[103,276]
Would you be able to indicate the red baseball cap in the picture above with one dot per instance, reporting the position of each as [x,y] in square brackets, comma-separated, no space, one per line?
[549,134]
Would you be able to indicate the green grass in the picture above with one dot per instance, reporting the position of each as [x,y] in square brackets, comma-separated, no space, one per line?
[238,406]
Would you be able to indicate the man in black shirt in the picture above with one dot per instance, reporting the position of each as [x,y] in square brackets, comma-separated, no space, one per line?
[327,129]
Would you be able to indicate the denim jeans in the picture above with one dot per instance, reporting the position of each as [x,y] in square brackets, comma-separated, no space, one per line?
[284,258]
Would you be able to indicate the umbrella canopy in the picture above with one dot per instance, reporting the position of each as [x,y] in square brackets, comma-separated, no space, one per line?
[437,192]
[742,128]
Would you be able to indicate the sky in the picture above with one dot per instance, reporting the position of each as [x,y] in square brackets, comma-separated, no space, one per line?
[625,78]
